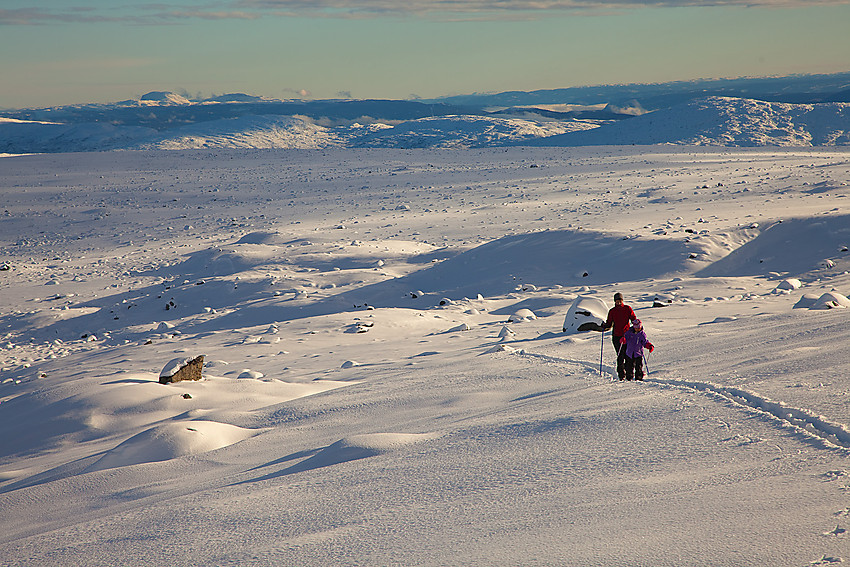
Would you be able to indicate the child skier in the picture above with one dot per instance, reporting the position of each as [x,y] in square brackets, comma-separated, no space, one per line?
[633,342]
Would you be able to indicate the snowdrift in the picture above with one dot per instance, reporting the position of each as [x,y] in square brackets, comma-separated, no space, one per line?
[796,246]
[556,257]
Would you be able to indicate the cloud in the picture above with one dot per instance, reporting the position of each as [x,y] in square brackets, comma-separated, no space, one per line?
[297,93]
[255,9]
[413,7]
[31,16]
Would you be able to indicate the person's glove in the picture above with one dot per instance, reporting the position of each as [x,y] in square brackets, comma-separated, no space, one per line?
[650,347]
[622,340]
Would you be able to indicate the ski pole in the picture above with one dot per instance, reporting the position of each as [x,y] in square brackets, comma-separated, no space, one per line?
[601,351]
[646,364]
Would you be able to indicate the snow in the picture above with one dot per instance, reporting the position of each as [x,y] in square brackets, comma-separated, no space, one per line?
[388,378]
[725,121]
[585,309]
[164,120]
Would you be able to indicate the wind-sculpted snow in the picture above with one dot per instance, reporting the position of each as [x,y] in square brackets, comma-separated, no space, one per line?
[584,257]
[795,245]
[396,368]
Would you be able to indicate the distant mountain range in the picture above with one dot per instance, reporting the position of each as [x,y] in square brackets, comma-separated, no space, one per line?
[789,111]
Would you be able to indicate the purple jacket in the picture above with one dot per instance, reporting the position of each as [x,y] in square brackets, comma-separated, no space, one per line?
[635,341]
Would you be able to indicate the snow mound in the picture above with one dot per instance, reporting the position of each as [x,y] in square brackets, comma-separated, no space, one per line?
[170,441]
[831,300]
[248,374]
[522,315]
[585,310]
[790,284]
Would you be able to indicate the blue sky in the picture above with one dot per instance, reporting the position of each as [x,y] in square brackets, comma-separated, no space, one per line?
[73,51]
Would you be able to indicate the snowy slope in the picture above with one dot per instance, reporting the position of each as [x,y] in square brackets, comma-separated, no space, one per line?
[719,121]
[246,132]
[386,378]
[39,136]
[466,132]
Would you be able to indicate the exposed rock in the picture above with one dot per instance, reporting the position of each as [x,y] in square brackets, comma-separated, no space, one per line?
[181,369]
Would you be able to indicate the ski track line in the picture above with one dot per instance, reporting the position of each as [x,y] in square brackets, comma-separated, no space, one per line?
[811,425]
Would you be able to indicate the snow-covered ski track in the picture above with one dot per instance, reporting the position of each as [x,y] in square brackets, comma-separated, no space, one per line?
[811,426]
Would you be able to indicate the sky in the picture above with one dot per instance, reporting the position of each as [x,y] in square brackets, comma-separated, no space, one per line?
[55,52]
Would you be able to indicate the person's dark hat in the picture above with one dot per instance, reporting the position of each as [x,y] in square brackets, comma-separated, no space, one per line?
[617,296]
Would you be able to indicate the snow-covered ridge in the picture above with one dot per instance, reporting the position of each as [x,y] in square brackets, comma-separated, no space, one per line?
[169,121]
[724,121]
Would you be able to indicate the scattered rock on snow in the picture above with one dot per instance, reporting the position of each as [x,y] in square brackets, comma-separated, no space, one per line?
[180,369]
[662,299]
[349,364]
[459,328]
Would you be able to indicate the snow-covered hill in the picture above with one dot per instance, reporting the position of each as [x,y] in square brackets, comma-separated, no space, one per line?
[721,121]
[163,120]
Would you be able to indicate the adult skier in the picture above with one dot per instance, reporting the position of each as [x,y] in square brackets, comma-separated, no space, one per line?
[619,319]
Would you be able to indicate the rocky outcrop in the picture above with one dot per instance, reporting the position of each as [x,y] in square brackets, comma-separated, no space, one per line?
[181,369]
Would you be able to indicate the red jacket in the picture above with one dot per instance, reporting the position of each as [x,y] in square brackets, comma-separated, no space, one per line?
[619,319]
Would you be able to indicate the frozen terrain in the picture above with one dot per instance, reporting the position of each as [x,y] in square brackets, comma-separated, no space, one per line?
[387,379]
[163,120]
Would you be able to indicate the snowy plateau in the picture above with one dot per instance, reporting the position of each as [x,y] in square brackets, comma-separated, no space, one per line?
[393,376]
